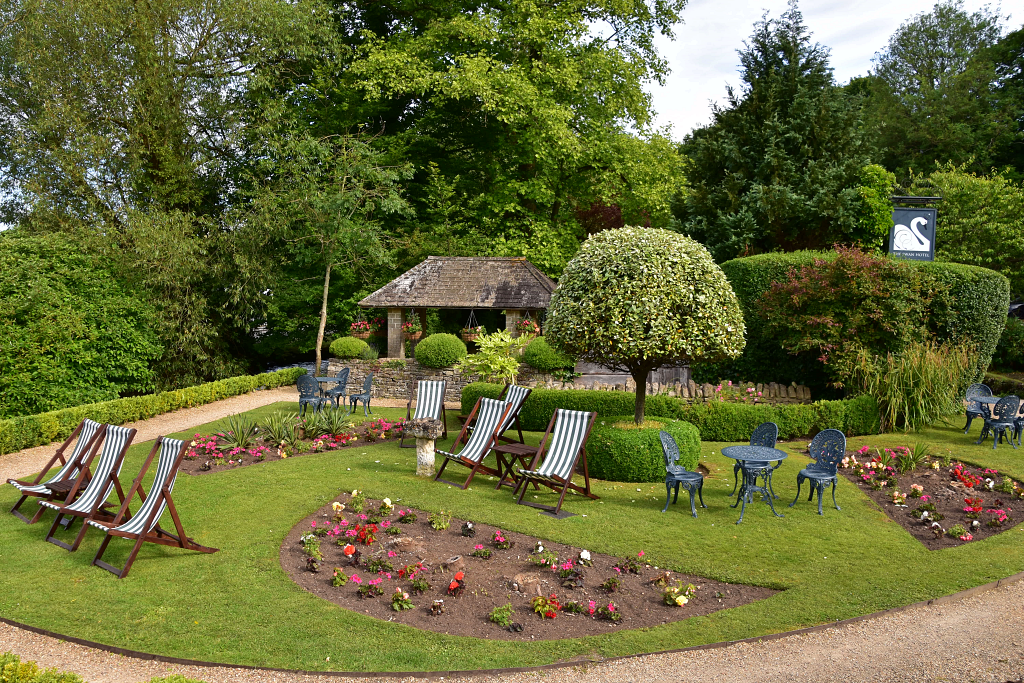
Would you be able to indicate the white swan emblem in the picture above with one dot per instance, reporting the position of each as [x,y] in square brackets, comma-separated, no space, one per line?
[911,239]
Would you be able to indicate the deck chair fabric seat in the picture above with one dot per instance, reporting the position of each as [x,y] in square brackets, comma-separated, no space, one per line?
[515,396]
[144,525]
[429,404]
[490,414]
[103,478]
[86,432]
[563,448]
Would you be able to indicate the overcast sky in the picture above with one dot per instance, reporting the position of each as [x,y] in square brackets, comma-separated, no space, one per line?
[703,56]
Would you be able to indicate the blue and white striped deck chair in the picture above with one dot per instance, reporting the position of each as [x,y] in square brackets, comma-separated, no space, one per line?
[430,404]
[144,525]
[102,481]
[490,414]
[89,435]
[568,431]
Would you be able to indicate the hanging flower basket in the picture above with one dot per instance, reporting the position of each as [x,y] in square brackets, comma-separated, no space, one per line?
[361,335]
[469,334]
[413,336]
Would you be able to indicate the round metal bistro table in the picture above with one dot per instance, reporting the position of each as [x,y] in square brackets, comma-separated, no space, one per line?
[755,463]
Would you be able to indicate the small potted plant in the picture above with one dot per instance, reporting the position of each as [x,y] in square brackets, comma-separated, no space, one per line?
[471,333]
[412,330]
[527,327]
[360,329]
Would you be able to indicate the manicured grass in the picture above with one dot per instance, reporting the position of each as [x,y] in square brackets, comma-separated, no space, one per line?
[238,606]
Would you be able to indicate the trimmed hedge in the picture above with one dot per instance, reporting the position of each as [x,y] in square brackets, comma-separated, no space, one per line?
[973,309]
[348,347]
[540,355]
[716,420]
[440,350]
[617,454]
[37,430]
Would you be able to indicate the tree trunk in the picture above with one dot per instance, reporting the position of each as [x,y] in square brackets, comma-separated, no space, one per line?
[640,378]
[323,319]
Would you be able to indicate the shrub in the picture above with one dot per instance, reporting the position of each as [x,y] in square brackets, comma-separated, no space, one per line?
[13,670]
[1009,353]
[636,299]
[348,347]
[440,351]
[619,450]
[36,430]
[497,357]
[716,420]
[540,355]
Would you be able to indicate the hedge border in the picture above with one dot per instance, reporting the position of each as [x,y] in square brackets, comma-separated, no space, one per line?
[716,420]
[38,430]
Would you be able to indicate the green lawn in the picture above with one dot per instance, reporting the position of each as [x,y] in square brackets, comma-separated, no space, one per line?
[238,606]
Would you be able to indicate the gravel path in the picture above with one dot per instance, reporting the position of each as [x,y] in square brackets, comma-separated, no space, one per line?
[974,638]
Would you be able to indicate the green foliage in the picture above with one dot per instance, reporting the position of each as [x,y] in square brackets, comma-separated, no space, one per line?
[1009,354]
[716,420]
[240,432]
[69,333]
[348,347]
[502,614]
[36,430]
[916,386]
[440,351]
[637,299]
[781,166]
[981,221]
[618,450]
[13,670]
[838,307]
[497,357]
[540,355]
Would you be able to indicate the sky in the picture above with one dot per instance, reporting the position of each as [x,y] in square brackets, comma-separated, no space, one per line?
[703,56]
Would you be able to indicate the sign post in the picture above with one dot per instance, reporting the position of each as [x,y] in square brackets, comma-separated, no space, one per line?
[912,235]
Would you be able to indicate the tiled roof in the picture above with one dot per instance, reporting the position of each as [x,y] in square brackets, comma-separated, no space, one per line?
[466,282]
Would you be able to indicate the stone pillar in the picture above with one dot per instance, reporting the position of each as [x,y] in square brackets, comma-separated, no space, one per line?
[511,318]
[426,430]
[396,341]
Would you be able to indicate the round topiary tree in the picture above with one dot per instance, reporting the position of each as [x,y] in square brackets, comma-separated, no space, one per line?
[637,299]
[540,355]
[348,347]
[440,351]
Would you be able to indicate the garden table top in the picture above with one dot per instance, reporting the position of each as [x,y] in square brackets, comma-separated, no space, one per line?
[991,400]
[519,453]
[755,462]
[754,453]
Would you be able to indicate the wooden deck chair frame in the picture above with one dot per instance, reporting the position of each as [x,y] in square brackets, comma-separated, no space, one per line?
[559,484]
[474,466]
[415,394]
[519,428]
[153,507]
[106,483]
[38,489]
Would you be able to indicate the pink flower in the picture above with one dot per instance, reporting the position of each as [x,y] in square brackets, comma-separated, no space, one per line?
[611,606]
[592,607]
[385,524]
[391,553]
[640,554]
[617,569]
[362,517]
[478,546]
[355,579]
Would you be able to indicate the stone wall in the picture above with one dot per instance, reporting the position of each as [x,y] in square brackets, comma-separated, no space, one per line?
[394,380]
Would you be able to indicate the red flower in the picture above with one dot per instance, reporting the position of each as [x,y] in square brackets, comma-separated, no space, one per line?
[459,576]
[349,549]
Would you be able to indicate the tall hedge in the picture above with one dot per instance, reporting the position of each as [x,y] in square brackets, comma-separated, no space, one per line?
[716,420]
[970,307]
[37,430]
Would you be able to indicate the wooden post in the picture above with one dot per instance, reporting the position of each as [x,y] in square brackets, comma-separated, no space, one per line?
[396,340]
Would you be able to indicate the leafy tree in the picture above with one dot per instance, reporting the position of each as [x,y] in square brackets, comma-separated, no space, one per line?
[637,299]
[931,97]
[981,221]
[782,165]
[69,334]
[1008,57]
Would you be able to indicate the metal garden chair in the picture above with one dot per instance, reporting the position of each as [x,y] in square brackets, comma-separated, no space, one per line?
[676,475]
[365,395]
[1002,422]
[338,390]
[827,449]
[309,394]
[974,409]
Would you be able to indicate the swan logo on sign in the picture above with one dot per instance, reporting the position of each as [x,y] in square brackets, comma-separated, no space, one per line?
[913,234]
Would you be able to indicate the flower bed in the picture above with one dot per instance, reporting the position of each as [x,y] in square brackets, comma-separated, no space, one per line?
[245,443]
[448,575]
[941,502]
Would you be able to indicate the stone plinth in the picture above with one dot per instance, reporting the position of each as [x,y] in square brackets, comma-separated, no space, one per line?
[426,430]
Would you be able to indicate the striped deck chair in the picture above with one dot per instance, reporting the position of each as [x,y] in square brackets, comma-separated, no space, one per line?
[490,415]
[89,435]
[103,480]
[515,396]
[429,403]
[144,525]
[568,446]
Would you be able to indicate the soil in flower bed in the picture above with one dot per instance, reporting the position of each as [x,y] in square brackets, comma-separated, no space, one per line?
[507,576]
[261,450]
[982,501]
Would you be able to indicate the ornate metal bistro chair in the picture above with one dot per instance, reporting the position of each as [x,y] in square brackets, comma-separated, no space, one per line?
[827,449]
[338,390]
[766,435]
[1002,423]
[309,393]
[365,395]
[676,475]
[974,409]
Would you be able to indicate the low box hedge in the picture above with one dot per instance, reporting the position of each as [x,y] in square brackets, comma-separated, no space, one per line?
[716,420]
[36,430]
[617,453]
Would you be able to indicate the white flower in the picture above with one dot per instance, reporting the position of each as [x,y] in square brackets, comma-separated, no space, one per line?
[355,492]
[584,554]
[338,507]
[387,502]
